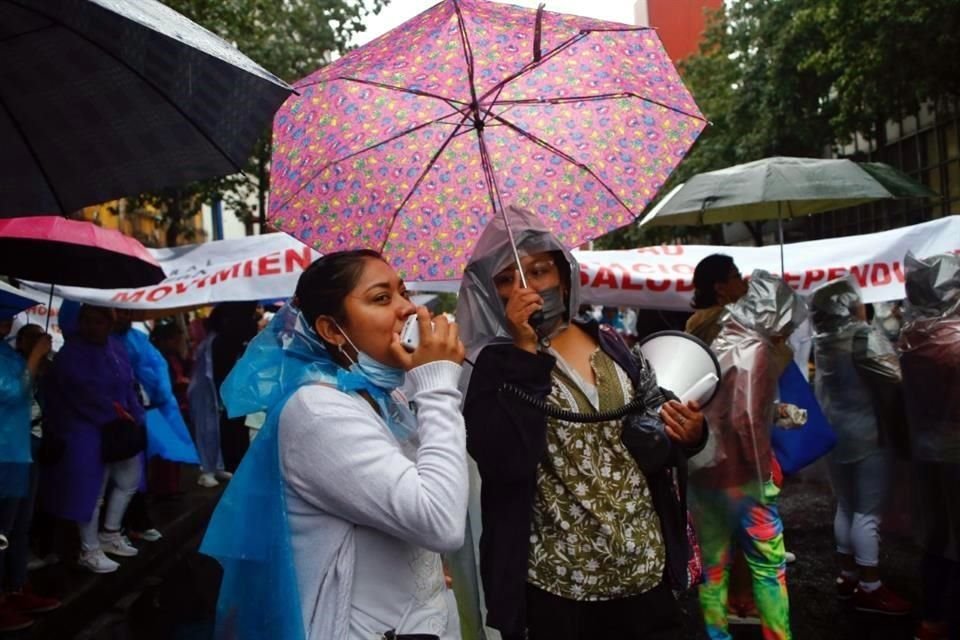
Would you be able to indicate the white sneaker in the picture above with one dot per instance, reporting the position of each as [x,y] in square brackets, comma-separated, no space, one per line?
[789,557]
[150,535]
[116,544]
[97,562]
[207,480]
[223,475]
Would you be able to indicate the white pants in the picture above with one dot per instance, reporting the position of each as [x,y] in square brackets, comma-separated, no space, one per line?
[126,479]
[862,489]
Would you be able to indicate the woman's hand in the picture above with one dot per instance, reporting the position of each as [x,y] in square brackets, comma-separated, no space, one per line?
[522,304]
[439,340]
[684,422]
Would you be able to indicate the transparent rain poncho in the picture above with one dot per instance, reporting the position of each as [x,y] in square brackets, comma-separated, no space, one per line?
[752,351]
[249,533]
[480,311]
[858,374]
[930,356]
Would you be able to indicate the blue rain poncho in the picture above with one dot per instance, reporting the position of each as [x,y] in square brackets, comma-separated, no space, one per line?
[16,388]
[205,408]
[167,433]
[249,533]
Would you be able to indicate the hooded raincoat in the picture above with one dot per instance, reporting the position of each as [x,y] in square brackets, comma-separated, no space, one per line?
[930,357]
[752,352]
[507,437]
[79,392]
[167,434]
[858,374]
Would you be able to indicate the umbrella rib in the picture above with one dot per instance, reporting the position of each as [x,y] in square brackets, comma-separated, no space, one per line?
[549,147]
[146,80]
[599,98]
[468,56]
[33,154]
[22,34]
[534,64]
[433,161]
[381,85]
[353,155]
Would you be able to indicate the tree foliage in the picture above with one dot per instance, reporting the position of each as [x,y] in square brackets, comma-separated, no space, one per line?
[885,58]
[290,38]
[795,77]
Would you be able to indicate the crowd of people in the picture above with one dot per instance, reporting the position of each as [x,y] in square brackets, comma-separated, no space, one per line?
[91,434]
[600,495]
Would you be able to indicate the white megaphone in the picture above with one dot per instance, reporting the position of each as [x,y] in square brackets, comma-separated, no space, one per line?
[684,365]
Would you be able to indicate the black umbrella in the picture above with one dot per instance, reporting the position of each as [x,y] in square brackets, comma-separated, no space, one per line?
[101,99]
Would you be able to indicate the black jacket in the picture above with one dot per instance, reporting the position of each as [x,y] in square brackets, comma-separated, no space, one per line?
[508,438]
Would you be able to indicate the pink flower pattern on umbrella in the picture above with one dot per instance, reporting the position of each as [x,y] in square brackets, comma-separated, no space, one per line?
[411,143]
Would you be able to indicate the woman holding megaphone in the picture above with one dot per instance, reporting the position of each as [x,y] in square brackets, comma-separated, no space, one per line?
[578,450]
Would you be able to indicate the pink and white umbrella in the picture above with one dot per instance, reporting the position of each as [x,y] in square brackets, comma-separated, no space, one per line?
[411,143]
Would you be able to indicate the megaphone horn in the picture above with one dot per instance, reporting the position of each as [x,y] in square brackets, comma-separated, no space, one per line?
[684,364]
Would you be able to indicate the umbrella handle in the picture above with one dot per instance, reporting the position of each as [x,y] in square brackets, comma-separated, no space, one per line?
[46,329]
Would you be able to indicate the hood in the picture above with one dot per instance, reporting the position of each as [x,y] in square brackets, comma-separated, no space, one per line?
[282,357]
[833,305]
[933,286]
[770,307]
[480,311]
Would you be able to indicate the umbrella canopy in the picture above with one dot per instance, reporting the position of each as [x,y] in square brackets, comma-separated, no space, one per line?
[68,252]
[107,98]
[13,300]
[781,187]
[411,143]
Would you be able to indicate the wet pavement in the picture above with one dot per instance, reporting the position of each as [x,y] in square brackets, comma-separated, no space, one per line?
[807,508]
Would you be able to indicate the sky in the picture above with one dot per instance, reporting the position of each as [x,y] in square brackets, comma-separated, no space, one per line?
[398,11]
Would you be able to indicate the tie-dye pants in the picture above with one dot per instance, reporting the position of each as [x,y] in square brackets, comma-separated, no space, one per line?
[737,517]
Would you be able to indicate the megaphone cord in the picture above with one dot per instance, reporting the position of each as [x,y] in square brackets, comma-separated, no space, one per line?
[635,405]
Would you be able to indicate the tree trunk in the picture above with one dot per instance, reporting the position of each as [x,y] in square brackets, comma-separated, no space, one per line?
[174,218]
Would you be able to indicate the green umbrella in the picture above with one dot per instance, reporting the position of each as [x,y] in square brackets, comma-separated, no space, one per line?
[781,188]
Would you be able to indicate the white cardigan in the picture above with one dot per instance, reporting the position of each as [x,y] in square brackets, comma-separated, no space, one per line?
[362,505]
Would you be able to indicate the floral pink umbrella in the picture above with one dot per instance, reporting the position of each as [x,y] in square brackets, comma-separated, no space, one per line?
[411,143]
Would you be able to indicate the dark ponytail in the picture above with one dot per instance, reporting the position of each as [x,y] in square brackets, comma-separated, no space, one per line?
[711,271]
[323,285]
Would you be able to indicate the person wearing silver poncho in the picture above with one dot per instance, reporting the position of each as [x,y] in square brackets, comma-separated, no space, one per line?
[857,375]
[733,489]
[930,359]
[583,533]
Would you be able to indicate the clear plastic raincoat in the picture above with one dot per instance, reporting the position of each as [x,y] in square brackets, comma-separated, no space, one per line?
[858,373]
[752,351]
[507,437]
[930,357]
[480,312]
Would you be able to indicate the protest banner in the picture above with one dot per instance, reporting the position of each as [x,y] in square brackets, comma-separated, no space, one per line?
[661,277]
[262,267]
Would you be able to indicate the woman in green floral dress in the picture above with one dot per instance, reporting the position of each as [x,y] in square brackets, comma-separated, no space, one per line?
[578,542]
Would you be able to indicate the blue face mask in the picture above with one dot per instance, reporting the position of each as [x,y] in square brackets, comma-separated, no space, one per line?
[378,374]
